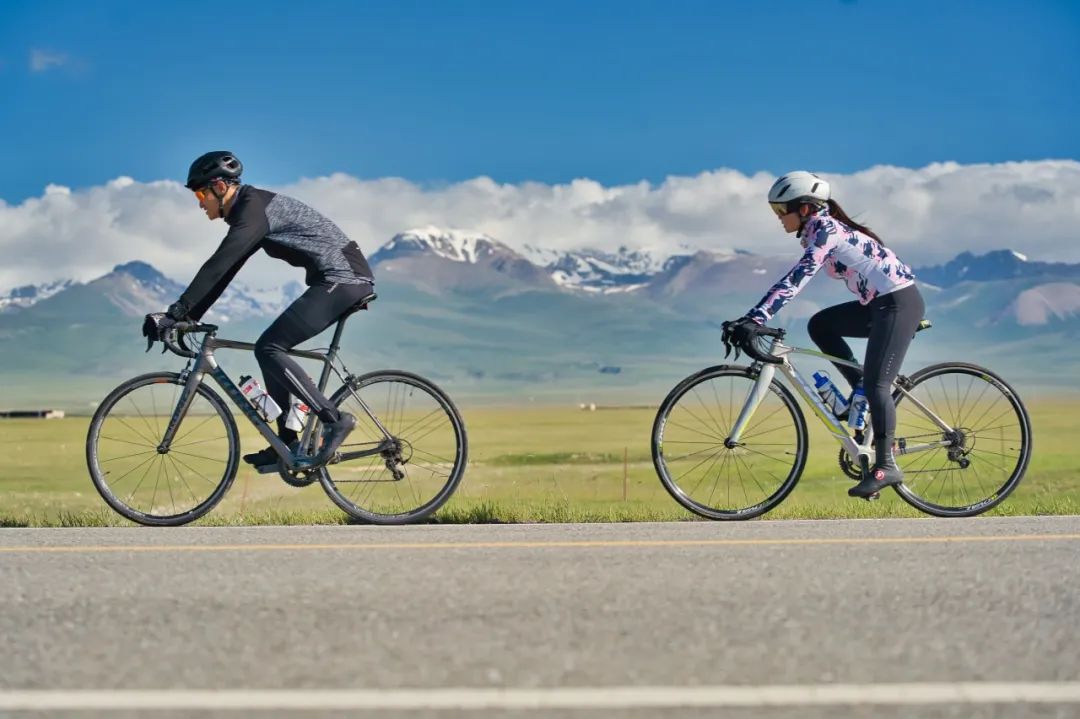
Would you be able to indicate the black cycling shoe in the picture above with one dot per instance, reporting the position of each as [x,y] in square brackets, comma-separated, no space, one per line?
[881,475]
[267,460]
[262,458]
[333,434]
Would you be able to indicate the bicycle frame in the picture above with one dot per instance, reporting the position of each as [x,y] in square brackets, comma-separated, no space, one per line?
[206,364]
[766,373]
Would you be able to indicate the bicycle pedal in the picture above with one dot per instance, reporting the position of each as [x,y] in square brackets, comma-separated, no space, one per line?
[267,469]
[874,496]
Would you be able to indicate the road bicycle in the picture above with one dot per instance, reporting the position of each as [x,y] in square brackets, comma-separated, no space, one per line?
[163,448]
[730,442]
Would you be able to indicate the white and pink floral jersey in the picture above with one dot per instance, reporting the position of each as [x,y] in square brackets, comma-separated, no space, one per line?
[868,267]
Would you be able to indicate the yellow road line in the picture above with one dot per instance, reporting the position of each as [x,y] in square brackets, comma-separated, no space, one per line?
[553,544]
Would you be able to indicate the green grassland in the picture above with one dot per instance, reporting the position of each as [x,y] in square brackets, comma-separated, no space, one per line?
[533,464]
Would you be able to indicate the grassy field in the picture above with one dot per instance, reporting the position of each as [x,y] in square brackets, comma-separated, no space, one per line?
[526,465]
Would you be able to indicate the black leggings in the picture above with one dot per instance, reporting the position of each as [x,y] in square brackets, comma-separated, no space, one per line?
[310,314]
[889,322]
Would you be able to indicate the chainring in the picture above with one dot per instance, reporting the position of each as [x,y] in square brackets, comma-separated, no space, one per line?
[848,466]
[299,478]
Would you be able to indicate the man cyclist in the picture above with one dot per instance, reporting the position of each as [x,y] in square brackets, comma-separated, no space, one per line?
[337,275]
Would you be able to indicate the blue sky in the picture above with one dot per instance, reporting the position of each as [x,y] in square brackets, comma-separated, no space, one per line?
[437,92]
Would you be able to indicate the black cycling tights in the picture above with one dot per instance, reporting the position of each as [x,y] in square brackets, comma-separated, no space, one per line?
[889,322]
[310,314]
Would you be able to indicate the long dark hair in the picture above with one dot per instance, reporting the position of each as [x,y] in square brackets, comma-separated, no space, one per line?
[838,212]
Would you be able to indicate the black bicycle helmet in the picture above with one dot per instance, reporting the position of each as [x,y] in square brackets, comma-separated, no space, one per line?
[216,165]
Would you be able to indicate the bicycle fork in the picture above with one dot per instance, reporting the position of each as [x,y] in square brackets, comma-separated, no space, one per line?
[192,380]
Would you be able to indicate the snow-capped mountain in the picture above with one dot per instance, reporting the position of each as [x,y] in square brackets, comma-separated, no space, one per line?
[240,301]
[137,288]
[437,259]
[589,270]
[454,245]
[996,265]
[29,295]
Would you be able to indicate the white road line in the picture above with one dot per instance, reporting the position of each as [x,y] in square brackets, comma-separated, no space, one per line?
[909,694]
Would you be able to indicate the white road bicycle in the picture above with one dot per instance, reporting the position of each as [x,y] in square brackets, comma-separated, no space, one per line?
[730,441]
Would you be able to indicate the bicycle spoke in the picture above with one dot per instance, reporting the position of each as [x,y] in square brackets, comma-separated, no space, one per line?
[763,420]
[765,495]
[127,456]
[706,424]
[200,441]
[136,431]
[125,474]
[707,412]
[139,412]
[126,441]
[198,456]
[692,454]
[168,485]
[187,466]
[691,429]
[435,411]
[183,479]
[699,464]
[141,479]
[195,428]
[705,474]
[745,437]
[766,456]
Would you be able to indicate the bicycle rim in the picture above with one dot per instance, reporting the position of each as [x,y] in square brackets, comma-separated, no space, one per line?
[716,481]
[983,461]
[431,451]
[149,487]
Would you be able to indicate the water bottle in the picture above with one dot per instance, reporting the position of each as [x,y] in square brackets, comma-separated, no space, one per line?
[298,414]
[830,395]
[859,407]
[264,403]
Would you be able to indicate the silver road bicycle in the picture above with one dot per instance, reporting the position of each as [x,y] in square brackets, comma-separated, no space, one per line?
[163,448]
[730,441]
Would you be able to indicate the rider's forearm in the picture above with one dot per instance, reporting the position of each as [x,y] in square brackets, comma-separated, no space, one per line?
[216,273]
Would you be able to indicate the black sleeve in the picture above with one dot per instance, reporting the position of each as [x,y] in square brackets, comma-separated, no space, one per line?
[248,227]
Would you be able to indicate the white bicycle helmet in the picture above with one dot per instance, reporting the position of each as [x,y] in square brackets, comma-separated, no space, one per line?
[798,186]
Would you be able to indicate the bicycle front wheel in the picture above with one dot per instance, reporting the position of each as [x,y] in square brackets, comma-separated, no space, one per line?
[408,483]
[977,465]
[714,480]
[151,487]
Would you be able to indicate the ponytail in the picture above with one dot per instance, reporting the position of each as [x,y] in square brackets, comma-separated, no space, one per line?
[838,212]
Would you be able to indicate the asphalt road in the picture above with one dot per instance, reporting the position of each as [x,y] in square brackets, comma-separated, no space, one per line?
[841,618]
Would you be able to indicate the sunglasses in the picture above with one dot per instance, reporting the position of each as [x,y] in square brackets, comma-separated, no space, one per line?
[202,194]
[780,208]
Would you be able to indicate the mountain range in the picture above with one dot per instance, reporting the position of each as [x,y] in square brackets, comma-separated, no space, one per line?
[492,322]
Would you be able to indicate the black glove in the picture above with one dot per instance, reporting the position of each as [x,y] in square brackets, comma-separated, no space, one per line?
[154,326]
[738,333]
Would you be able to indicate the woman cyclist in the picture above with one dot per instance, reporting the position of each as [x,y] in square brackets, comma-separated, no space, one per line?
[338,276]
[887,312]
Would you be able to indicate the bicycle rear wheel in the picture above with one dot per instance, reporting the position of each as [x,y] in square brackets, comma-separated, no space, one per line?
[984,458]
[153,488]
[706,476]
[408,483]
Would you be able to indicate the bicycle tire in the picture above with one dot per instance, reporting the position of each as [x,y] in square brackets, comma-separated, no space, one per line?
[426,507]
[99,476]
[671,484]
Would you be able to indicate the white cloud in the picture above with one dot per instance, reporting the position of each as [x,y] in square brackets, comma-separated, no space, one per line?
[928,214]
[42,60]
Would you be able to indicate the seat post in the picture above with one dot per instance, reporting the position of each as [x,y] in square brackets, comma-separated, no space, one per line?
[335,343]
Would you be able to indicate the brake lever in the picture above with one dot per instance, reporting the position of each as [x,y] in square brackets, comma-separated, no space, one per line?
[725,337]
